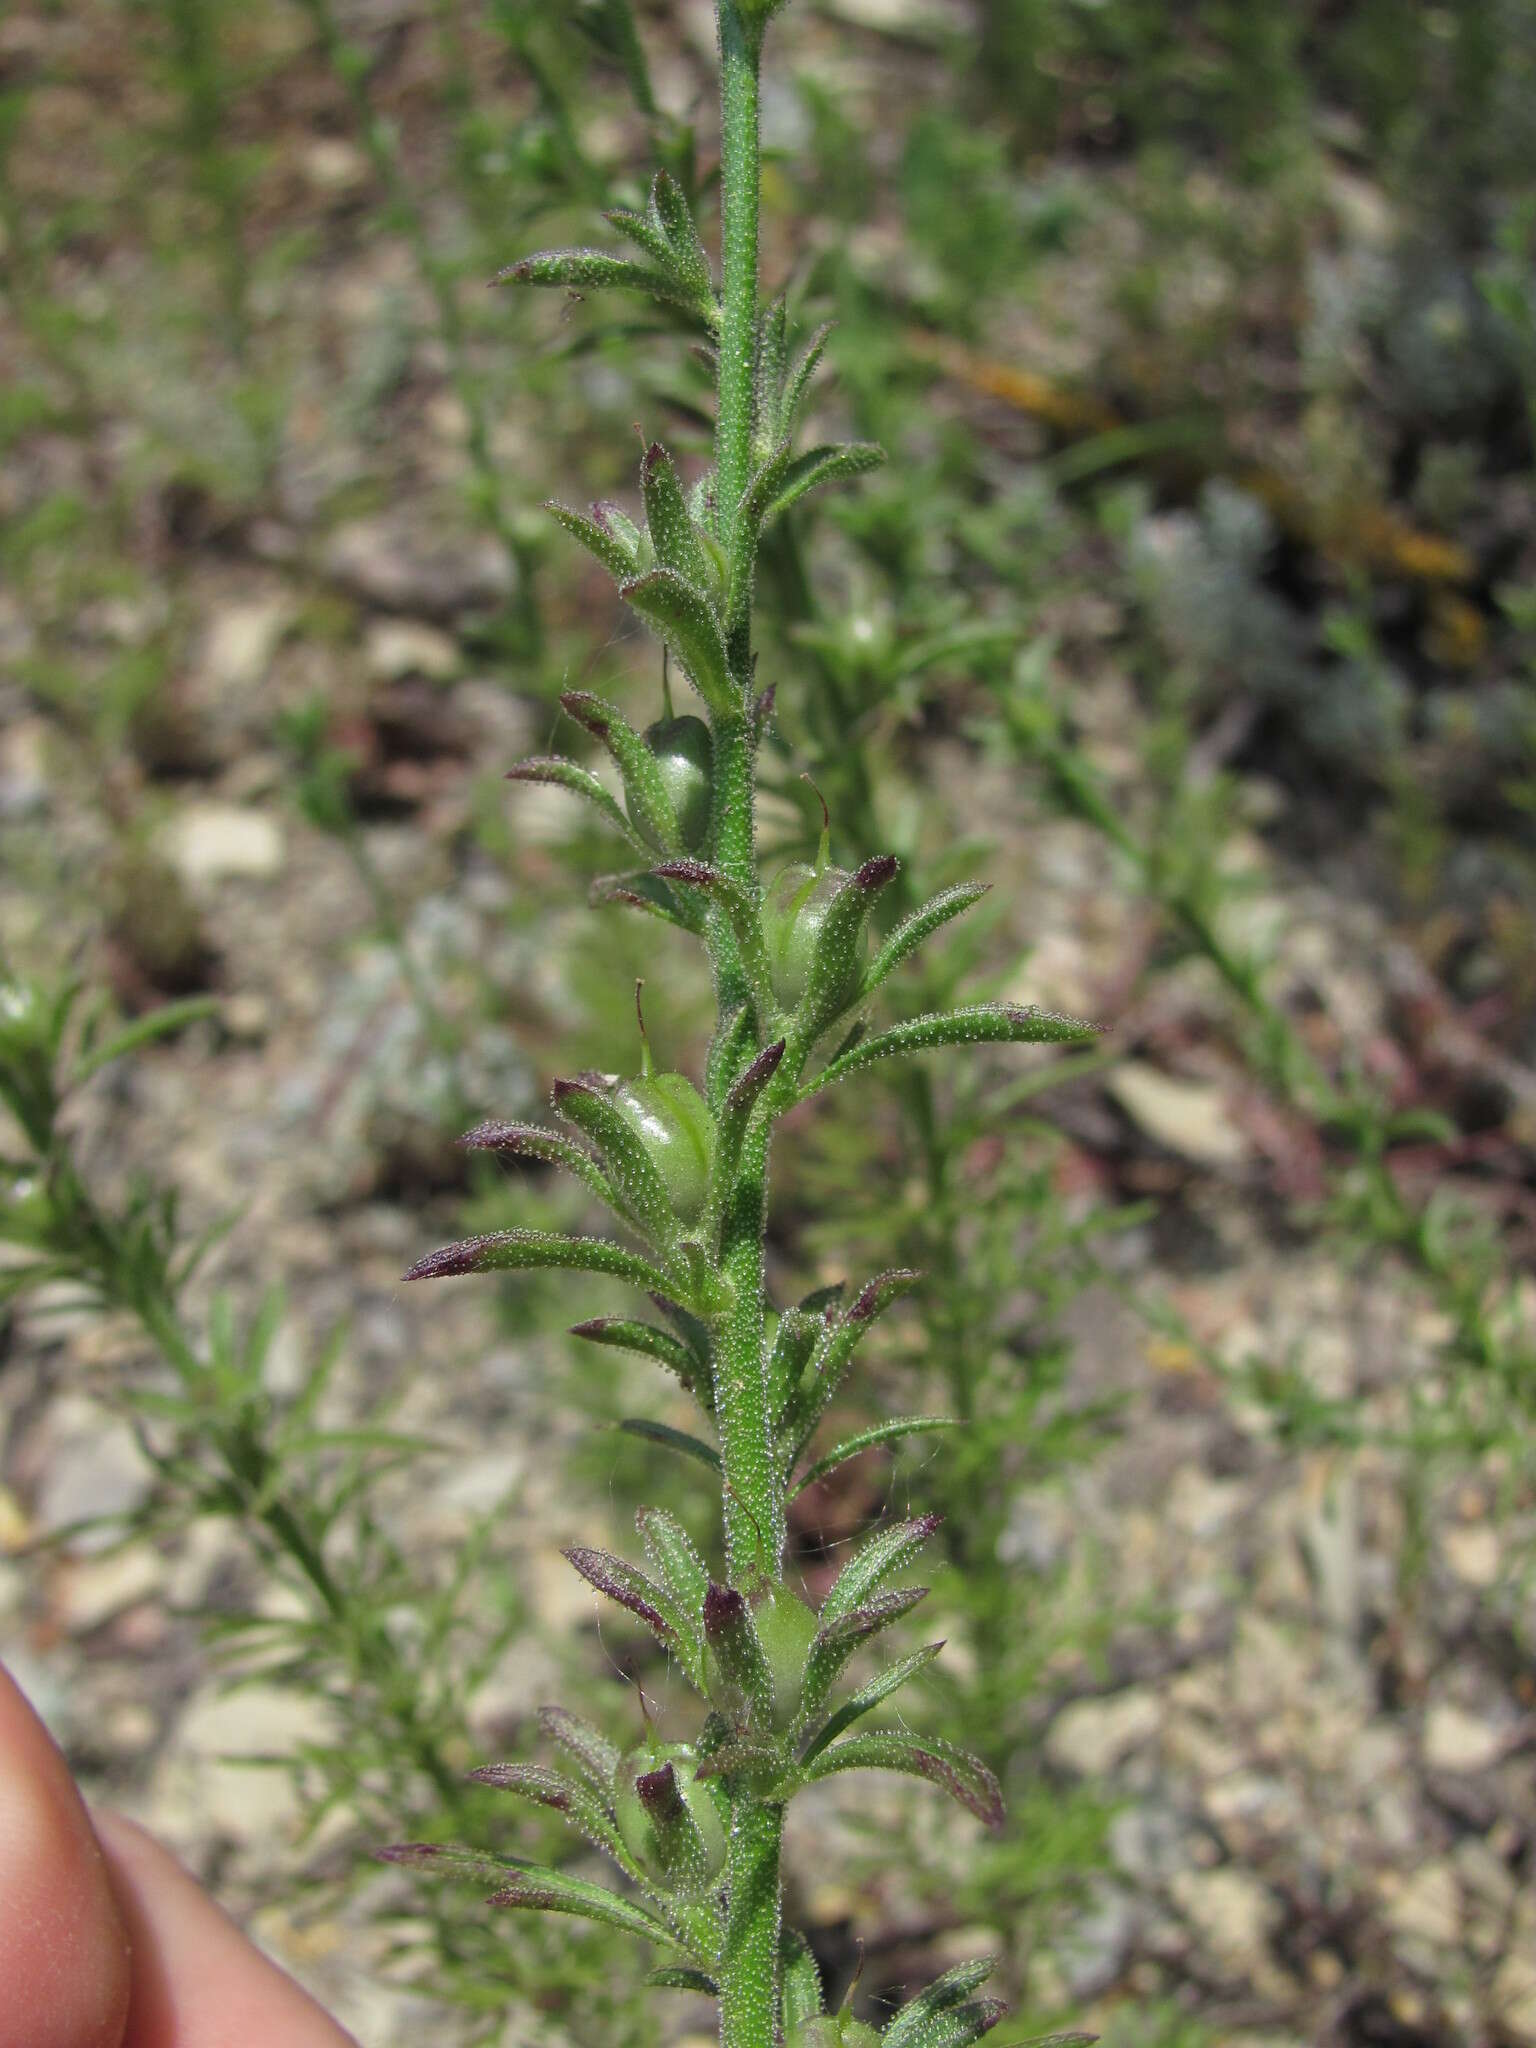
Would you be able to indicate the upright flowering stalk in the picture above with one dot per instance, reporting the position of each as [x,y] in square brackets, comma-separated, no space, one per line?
[695,1827]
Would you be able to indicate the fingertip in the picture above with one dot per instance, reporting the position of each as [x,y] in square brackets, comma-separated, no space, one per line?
[65,1961]
[197,1981]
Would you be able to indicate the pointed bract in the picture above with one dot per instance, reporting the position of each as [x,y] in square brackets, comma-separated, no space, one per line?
[964,1777]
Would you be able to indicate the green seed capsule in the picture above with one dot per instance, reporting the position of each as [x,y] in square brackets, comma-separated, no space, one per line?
[786,1628]
[672,1829]
[832,2030]
[674,1126]
[794,911]
[685,754]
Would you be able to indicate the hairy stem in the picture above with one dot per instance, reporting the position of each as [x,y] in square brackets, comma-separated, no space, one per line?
[739,53]
[754,1504]
[749,1992]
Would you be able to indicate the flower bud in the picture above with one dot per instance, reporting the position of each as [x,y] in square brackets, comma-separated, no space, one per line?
[669,1116]
[684,753]
[667,1821]
[794,911]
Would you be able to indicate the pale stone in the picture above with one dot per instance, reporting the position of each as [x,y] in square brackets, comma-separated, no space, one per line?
[1472,1552]
[406,567]
[1457,1741]
[1186,1117]
[15,1525]
[91,1591]
[94,1468]
[241,641]
[25,789]
[1202,1506]
[1091,1737]
[244,1800]
[1427,1907]
[1231,1913]
[334,165]
[396,648]
[1192,1746]
[223,842]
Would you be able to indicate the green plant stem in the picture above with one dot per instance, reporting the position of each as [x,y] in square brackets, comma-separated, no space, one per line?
[754,1504]
[749,1959]
[753,1507]
[739,177]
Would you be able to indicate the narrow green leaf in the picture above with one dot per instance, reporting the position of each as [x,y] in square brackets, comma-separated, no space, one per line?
[801,1997]
[745,918]
[681,615]
[747,530]
[731,1130]
[683,1980]
[587,1104]
[920,925]
[554,768]
[597,1757]
[528,1141]
[732,1050]
[671,1439]
[985,1024]
[619,555]
[833,970]
[887,1551]
[585,1811]
[646,234]
[953,1988]
[533,1886]
[882,1433]
[642,891]
[693,1332]
[538,1889]
[798,381]
[671,529]
[674,1557]
[669,207]
[960,2025]
[161,1023]
[586,270]
[795,1339]
[819,467]
[837,1640]
[449,1859]
[630,1589]
[822,1299]
[772,364]
[870,1696]
[645,790]
[840,1338]
[623,1334]
[955,1771]
[759,1764]
[504,1251]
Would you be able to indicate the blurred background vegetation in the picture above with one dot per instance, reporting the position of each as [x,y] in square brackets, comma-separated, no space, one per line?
[1196,610]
